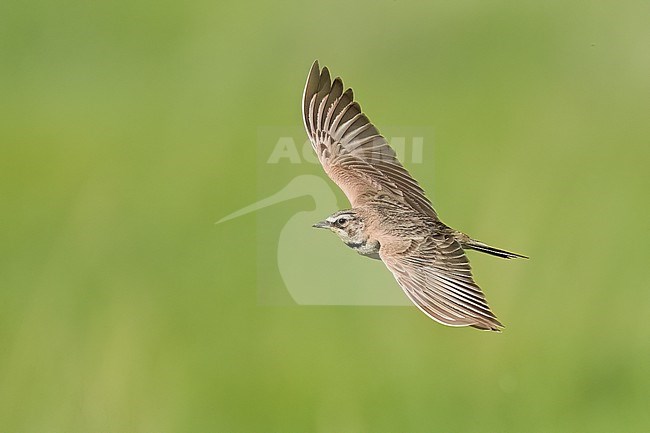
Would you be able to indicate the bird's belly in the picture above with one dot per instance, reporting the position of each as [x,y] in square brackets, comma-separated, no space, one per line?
[368,249]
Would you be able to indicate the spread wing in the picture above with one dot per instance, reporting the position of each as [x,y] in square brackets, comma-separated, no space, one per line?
[436,276]
[351,150]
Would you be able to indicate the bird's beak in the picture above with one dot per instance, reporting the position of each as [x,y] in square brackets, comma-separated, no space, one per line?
[321,225]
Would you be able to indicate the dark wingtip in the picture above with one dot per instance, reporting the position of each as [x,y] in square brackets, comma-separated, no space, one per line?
[314,73]
[493,326]
[315,68]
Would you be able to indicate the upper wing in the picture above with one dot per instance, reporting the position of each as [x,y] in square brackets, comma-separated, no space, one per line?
[436,276]
[353,153]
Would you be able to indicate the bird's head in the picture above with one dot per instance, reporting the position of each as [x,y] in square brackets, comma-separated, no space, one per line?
[347,224]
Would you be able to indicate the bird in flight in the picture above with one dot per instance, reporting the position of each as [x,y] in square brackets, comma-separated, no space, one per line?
[390,218]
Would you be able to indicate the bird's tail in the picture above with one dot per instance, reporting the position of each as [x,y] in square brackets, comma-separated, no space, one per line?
[472,244]
[485,248]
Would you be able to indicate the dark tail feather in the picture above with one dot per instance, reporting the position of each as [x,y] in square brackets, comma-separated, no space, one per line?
[485,248]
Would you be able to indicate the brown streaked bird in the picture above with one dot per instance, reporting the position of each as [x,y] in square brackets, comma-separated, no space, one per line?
[391,219]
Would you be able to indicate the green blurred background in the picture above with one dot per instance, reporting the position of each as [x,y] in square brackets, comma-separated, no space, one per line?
[127,128]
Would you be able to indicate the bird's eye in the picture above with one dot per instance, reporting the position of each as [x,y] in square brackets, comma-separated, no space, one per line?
[341,221]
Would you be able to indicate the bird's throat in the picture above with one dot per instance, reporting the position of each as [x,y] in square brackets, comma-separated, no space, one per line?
[355,245]
[365,248]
